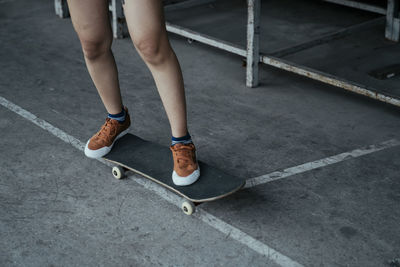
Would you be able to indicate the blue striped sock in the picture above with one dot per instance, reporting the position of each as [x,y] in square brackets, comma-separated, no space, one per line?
[119,117]
[187,139]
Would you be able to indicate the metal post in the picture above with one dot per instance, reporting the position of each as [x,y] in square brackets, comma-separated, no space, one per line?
[329,79]
[253,38]
[393,20]
[118,22]
[254,56]
[61,8]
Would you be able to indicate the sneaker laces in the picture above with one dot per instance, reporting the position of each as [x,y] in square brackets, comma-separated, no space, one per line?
[107,130]
[184,155]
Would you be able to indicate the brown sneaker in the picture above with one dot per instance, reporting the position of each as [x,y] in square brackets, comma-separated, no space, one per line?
[102,142]
[186,169]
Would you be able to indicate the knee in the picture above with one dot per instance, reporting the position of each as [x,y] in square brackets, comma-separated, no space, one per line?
[93,49]
[151,50]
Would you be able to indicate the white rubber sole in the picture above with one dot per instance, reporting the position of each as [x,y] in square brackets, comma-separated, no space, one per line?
[188,180]
[98,153]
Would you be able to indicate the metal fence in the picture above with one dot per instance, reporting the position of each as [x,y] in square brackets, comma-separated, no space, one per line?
[252,52]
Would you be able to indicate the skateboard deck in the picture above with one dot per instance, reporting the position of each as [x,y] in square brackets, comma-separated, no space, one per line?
[155,162]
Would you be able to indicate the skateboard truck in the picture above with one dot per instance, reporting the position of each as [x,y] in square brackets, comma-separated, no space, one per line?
[187,206]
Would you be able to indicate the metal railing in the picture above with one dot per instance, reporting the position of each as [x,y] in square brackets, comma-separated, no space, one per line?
[252,52]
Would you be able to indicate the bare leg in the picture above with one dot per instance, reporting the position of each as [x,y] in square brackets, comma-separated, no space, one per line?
[146,24]
[91,22]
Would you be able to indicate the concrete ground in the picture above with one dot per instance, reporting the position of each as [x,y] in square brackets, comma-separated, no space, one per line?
[59,208]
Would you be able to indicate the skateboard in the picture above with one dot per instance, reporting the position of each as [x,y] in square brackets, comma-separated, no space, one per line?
[154,162]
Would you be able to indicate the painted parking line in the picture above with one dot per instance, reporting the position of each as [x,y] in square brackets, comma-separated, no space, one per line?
[227,229]
[266,178]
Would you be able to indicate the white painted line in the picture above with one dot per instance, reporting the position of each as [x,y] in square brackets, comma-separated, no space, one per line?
[229,230]
[244,238]
[206,217]
[42,124]
[320,163]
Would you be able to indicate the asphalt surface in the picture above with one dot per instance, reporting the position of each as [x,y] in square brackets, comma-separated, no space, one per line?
[59,208]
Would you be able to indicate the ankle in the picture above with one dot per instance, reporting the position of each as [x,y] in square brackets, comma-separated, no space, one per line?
[120,117]
[186,139]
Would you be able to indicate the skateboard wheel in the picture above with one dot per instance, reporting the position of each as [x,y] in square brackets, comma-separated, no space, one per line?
[188,207]
[117,172]
[190,40]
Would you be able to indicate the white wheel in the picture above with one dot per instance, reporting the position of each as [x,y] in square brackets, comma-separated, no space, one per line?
[118,172]
[190,41]
[188,207]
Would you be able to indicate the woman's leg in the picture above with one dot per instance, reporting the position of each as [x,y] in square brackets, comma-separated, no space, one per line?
[145,20]
[91,22]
